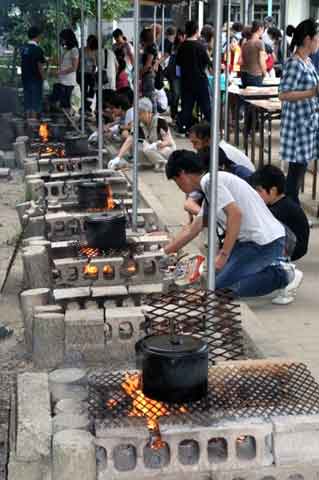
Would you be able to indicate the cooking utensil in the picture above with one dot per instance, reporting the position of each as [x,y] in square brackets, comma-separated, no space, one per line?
[174,367]
[106,231]
[76,145]
[92,195]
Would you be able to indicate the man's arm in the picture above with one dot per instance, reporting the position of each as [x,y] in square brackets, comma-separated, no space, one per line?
[234,215]
[185,236]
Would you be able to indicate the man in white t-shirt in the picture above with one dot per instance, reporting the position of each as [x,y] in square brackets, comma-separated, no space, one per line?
[249,261]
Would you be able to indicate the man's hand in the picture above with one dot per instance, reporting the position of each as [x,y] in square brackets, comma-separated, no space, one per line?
[221,260]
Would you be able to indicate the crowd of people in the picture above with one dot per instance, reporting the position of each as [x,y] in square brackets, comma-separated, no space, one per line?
[262,227]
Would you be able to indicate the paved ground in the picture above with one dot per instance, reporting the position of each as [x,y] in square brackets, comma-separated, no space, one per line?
[289,331]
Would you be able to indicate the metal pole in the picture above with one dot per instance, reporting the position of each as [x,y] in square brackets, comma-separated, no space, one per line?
[226,106]
[218,15]
[58,10]
[100,86]
[245,11]
[136,112]
[154,23]
[82,70]
[269,8]
[163,28]
[200,15]
[190,10]
[284,25]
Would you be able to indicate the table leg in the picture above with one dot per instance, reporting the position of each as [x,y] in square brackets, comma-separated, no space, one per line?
[237,109]
[253,134]
[262,138]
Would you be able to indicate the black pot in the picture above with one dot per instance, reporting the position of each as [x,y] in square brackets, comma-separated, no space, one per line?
[106,231]
[92,195]
[174,369]
[76,145]
[57,131]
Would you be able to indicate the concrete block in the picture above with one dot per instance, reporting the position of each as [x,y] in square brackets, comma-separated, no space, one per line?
[70,421]
[296,439]
[66,383]
[37,268]
[48,340]
[34,420]
[21,470]
[29,300]
[291,472]
[67,293]
[74,456]
[145,289]
[110,291]
[123,327]
[67,405]
[84,328]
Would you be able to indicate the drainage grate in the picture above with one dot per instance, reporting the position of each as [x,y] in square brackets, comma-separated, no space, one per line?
[243,390]
[212,316]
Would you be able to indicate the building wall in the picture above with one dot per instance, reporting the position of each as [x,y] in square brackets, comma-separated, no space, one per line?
[298,10]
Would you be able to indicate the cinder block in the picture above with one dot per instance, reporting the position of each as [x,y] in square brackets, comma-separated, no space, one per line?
[296,439]
[19,470]
[147,289]
[34,419]
[84,327]
[123,325]
[292,472]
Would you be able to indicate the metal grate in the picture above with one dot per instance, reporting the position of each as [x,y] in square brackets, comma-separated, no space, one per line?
[243,390]
[83,250]
[212,316]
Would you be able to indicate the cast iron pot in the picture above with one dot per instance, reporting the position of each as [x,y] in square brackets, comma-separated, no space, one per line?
[106,231]
[76,145]
[174,369]
[92,195]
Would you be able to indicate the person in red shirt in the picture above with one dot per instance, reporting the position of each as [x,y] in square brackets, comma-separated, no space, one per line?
[122,75]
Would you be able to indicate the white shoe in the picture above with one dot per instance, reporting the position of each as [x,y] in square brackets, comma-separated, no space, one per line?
[287,295]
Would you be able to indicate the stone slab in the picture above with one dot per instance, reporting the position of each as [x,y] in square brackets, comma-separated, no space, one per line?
[34,420]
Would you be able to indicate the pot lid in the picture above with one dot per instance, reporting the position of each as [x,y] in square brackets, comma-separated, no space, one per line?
[179,344]
[93,184]
[105,217]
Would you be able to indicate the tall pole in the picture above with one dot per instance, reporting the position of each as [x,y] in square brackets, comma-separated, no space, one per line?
[82,71]
[163,28]
[136,116]
[200,14]
[190,10]
[245,11]
[58,28]
[284,27]
[226,106]
[213,168]
[269,8]
[99,84]
[154,23]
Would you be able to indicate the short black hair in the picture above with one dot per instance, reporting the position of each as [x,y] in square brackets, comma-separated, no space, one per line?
[191,27]
[269,177]
[68,38]
[128,93]
[117,33]
[34,32]
[120,101]
[184,160]
[201,130]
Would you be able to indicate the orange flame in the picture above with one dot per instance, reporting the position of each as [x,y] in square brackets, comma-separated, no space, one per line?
[110,204]
[44,132]
[90,252]
[90,270]
[108,270]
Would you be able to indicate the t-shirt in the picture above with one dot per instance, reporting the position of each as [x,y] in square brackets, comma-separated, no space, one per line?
[67,62]
[168,46]
[250,55]
[150,50]
[236,155]
[193,60]
[129,116]
[257,223]
[292,215]
[31,56]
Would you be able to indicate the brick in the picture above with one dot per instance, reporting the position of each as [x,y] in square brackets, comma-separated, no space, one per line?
[34,420]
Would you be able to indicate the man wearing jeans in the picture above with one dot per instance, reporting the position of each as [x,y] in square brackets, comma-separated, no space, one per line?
[249,261]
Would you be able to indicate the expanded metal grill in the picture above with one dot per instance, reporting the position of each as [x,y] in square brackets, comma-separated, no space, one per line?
[244,390]
[84,250]
[212,316]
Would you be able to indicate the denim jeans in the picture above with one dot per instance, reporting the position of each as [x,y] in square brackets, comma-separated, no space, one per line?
[253,270]
[33,96]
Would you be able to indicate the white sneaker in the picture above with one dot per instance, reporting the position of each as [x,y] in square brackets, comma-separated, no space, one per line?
[287,295]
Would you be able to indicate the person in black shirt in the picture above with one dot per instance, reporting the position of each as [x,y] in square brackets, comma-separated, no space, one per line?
[32,61]
[149,65]
[193,62]
[270,183]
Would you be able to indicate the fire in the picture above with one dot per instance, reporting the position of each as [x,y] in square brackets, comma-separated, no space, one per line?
[109,202]
[131,267]
[108,270]
[90,270]
[90,252]
[44,132]
[142,405]
[111,403]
